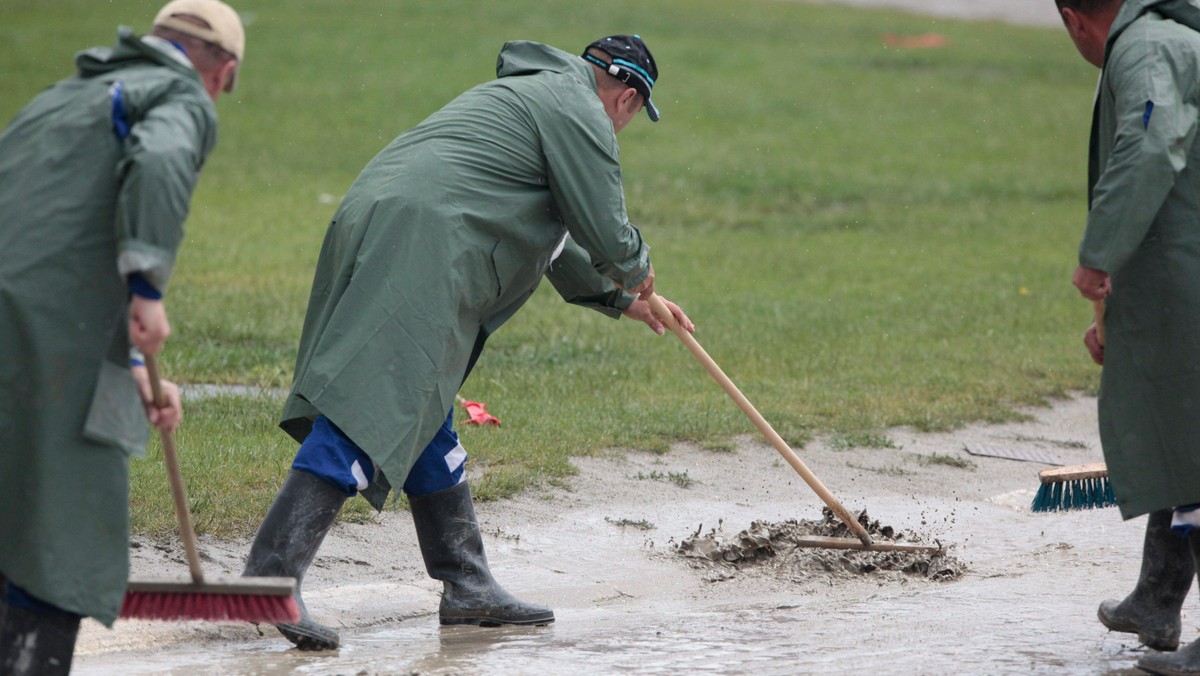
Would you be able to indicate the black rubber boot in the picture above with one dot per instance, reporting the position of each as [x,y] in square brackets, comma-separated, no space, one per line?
[36,644]
[1186,660]
[287,541]
[1182,662]
[1152,609]
[453,550]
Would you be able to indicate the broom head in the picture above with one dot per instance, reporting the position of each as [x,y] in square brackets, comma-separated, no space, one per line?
[267,600]
[1064,489]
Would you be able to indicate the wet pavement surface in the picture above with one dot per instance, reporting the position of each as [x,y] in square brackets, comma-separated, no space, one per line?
[605,553]
[1026,605]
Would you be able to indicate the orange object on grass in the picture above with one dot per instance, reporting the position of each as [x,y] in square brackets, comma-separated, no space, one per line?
[923,41]
[478,412]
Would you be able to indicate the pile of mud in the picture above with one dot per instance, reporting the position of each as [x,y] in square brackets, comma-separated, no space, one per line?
[774,545]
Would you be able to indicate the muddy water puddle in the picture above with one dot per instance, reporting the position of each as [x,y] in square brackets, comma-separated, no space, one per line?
[888,635]
[1024,602]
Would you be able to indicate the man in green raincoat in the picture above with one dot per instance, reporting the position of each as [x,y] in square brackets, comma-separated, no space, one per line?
[96,174]
[444,236]
[1140,254]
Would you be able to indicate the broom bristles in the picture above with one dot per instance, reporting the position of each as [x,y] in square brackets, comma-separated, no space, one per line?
[256,608]
[1073,495]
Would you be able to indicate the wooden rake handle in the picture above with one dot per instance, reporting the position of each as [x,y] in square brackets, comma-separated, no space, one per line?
[664,313]
[186,532]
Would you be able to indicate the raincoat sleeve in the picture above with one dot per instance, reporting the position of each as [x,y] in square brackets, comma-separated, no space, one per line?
[577,281]
[1155,107]
[585,180]
[164,151]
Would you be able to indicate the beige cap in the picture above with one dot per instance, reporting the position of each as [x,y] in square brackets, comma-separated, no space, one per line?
[226,32]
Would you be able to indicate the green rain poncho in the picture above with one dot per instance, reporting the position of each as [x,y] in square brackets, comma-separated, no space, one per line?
[81,208]
[444,235]
[1144,230]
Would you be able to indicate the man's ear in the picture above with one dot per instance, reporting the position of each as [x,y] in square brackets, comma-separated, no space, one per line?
[228,72]
[219,79]
[628,100]
[1072,20]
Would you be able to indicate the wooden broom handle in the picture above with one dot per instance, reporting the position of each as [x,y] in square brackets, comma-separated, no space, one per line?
[664,313]
[186,533]
[1098,313]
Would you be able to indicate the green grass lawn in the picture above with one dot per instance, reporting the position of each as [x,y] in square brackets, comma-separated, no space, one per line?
[865,237]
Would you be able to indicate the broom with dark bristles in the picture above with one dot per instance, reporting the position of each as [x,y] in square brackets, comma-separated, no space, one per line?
[245,599]
[1073,488]
[1081,486]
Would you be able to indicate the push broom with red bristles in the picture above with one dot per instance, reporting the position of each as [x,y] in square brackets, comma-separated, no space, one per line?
[237,599]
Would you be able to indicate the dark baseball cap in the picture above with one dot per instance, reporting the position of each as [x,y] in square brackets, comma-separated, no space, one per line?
[631,63]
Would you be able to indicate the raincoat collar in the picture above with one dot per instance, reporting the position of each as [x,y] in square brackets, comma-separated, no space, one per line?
[131,50]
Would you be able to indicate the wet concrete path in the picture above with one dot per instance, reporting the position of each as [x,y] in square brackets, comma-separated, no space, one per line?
[626,601]
[1027,606]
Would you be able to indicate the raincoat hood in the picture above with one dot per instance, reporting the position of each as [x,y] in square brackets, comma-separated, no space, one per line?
[1185,12]
[131,50]
[522,57]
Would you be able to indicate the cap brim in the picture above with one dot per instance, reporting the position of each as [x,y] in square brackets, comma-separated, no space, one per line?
[652,110]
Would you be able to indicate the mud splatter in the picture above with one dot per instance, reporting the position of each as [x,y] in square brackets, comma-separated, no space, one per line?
[773,546]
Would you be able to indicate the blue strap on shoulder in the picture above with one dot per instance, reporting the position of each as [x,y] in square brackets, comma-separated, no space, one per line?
[120,124]
[120,118]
